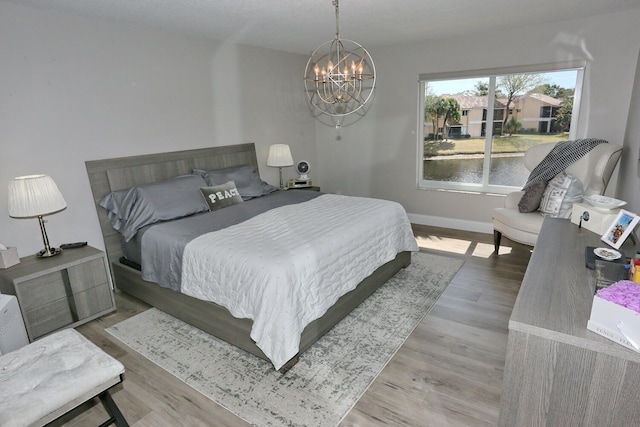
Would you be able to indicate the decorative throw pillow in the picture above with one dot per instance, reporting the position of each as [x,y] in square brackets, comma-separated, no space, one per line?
[530,201]
[246,177]
[560,195]
[221,196]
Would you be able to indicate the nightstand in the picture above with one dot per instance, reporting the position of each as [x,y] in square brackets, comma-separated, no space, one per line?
[63,291]
[307,188]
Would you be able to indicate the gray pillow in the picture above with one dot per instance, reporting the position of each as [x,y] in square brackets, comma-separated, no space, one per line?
[221,196]
[246,178]
[530,201]
[130,210]
[560,195]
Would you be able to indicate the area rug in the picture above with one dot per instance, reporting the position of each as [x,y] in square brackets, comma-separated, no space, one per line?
[330,377]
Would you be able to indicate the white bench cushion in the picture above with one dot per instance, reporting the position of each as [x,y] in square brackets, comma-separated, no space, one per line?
[47,375]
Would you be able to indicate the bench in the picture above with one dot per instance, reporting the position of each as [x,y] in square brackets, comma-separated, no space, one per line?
[44,380]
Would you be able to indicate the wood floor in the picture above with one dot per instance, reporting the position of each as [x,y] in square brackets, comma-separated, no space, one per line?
[448,373]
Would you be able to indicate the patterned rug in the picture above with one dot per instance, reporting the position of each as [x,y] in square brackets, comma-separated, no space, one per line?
[330,377]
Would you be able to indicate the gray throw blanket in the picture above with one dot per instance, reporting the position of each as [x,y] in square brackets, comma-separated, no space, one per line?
[560,157]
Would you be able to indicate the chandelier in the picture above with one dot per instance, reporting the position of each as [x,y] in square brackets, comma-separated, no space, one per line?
[340,77]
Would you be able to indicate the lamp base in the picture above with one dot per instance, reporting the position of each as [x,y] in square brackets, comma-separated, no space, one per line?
[281,182]
[48,253]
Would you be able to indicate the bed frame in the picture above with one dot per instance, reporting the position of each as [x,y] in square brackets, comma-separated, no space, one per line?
[110,175]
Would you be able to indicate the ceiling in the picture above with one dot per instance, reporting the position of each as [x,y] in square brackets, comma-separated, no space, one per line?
[299,26]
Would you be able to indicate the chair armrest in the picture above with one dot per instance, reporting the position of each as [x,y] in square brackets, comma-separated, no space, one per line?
[512,199]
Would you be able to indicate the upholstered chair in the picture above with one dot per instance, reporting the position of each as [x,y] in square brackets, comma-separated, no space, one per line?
[594,171]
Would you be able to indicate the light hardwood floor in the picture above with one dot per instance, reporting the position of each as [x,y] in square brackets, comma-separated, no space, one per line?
[448,373]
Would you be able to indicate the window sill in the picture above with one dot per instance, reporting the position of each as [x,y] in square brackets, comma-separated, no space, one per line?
[469,189]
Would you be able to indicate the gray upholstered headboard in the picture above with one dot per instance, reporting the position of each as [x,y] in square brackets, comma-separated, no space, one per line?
[110,175]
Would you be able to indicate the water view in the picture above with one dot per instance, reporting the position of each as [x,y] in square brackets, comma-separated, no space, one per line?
[507,170]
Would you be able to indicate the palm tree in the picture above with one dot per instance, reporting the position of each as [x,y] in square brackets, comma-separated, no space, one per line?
[432,112]
[450,111]
[563,117]
[512,126]
[436,107]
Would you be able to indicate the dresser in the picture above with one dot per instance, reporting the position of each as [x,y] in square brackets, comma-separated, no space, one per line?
[557,372]
[62,291]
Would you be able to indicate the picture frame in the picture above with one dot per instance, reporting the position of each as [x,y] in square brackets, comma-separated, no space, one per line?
[624,223]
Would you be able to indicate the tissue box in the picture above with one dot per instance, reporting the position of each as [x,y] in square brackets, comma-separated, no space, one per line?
[598,222]
[9,257]
[615,322]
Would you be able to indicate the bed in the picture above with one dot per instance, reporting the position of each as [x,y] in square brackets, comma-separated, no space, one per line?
[111,176]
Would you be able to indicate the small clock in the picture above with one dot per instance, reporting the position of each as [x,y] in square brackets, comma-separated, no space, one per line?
[303,169]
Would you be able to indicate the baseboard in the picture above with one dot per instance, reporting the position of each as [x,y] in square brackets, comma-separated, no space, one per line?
[456,224]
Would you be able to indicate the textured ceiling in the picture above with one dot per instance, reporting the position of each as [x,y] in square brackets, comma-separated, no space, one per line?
[300,26]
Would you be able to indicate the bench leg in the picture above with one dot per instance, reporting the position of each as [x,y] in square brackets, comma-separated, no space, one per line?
[112,410]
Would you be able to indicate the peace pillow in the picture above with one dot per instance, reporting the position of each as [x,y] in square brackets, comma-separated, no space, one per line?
[246,178]
[221,196]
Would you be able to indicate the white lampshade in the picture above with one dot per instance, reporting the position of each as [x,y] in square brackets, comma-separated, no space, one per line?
[34,195]
[279,156]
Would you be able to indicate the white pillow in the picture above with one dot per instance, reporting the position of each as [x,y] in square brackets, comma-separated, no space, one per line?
[560,195]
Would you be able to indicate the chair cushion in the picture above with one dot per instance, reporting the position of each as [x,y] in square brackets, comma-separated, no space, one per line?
[514,220]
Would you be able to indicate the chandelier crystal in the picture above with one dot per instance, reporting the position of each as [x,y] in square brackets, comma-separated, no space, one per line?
[340,76]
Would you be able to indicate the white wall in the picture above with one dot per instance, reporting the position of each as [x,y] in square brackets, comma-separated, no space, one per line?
[75,89]
[629,179]
[377,156]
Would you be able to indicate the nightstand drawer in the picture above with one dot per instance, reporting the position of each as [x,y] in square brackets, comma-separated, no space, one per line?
[92,301]
[48,318]
[41,290]
[87,275]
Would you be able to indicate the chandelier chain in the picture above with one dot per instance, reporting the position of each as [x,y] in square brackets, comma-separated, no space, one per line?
[335,3]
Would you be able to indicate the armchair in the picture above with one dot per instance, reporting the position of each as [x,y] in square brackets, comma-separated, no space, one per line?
[594,171]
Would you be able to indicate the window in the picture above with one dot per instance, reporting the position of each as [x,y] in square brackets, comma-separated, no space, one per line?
[477,125]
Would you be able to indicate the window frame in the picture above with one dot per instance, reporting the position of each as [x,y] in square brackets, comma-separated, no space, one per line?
[492,74]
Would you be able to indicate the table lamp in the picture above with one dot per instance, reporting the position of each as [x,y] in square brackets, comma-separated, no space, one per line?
[34,196]
[279,157]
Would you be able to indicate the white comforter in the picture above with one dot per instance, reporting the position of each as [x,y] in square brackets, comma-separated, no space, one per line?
[286,267]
